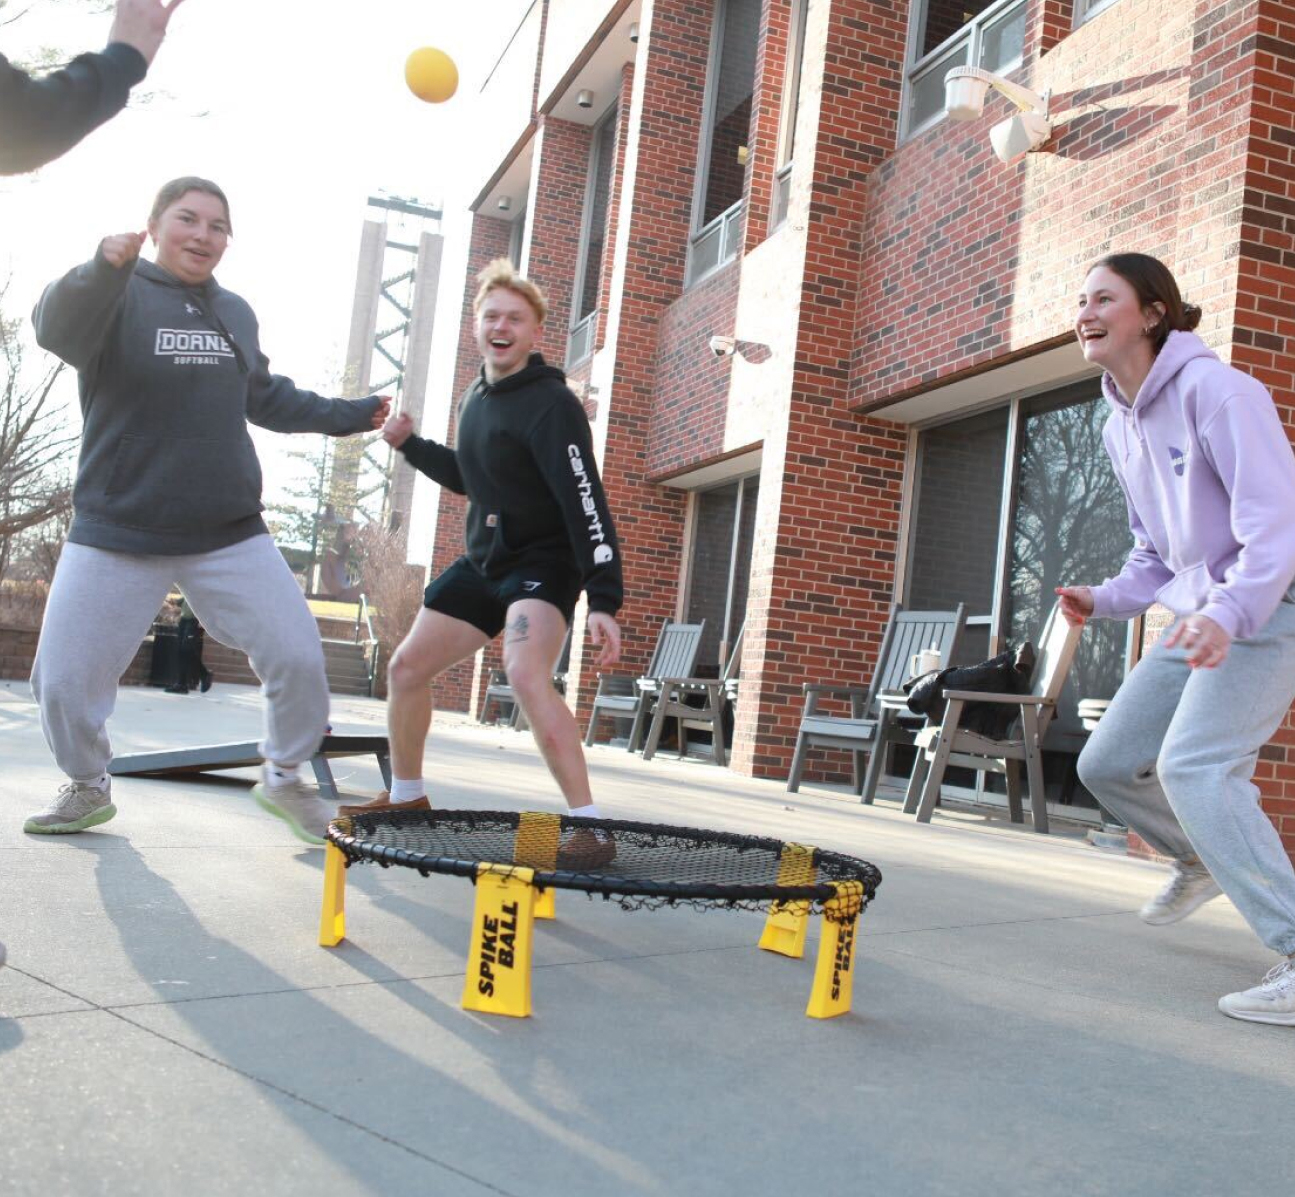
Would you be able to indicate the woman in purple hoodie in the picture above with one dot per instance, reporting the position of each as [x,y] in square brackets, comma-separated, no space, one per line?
[1209,478]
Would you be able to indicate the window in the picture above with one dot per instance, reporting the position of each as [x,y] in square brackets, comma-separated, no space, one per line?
[517,239]
[719,569]
[722,177]
[1084,9]
[950,33]
[1010,504]
[593,240]
[790,111]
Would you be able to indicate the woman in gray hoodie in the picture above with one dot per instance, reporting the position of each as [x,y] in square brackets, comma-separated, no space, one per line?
[1209,478]
[168,490]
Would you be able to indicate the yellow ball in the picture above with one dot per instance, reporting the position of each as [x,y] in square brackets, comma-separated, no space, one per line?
[431,74]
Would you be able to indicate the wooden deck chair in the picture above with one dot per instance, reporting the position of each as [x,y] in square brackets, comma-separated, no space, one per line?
[697,703]
[871,728]
[675,655]
[500,692]
[948,744]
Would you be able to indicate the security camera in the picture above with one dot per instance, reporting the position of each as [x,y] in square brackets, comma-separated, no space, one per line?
[965,89]
[723,346]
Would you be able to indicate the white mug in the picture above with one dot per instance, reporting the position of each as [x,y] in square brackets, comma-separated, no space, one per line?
[924,662]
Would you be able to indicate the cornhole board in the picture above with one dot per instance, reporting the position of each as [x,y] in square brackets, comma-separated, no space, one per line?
[243,754]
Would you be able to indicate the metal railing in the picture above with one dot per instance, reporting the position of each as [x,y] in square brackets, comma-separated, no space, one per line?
[715,244]
[371,646]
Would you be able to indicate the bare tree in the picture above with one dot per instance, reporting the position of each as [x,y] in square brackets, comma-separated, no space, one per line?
[35,483]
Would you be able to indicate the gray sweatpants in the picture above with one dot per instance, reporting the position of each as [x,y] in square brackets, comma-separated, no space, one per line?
[102,604]
[1173,757]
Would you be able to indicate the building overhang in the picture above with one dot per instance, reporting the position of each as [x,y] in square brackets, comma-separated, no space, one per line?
[734,464]
[1052,363]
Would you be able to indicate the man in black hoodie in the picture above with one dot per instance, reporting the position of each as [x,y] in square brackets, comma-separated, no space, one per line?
[538,532]
[43,118]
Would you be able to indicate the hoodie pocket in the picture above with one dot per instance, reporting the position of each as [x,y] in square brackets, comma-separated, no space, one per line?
[1185,593]
[182,483]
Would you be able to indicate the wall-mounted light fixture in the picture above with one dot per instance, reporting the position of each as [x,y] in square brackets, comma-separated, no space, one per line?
[634,31]
[505,202]
[965,89]
[585,98]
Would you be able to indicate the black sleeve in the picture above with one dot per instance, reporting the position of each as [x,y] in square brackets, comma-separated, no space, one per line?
[42,118]
[436,461]
[564,449]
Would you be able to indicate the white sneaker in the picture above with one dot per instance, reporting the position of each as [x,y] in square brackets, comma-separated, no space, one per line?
[303,810]
[1190,887]
[1272,1000]
[77,807]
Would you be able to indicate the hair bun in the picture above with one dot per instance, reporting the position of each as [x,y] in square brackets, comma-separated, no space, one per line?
[1191,316]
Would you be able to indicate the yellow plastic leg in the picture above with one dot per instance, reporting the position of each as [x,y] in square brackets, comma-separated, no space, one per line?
[834,972]
[784,929]
[536,846]
[332,918]
[498,977]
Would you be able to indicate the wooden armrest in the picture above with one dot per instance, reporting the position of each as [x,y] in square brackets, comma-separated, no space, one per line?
[852,691]
[1015,700]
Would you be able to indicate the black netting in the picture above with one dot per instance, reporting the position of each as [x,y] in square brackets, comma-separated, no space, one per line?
[635,864]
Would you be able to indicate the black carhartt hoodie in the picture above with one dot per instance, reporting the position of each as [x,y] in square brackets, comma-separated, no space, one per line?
[524,457]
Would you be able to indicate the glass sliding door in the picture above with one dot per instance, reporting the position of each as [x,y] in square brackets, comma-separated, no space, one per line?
[953,549]
[1008,505]
[1069,525]
[720,566]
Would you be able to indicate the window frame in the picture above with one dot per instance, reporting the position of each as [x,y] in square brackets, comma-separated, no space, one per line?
[583,331]
[1086,10]
[915,68]
[730,245]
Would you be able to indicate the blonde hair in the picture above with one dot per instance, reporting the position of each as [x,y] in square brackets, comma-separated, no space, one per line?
[502,273]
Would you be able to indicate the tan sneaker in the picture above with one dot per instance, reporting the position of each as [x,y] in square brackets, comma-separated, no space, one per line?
[382,805]
[587,849]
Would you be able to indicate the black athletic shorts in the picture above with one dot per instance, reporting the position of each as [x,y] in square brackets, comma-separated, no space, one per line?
[463,592]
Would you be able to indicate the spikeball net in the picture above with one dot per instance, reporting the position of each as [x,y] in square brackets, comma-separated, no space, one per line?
[516,861]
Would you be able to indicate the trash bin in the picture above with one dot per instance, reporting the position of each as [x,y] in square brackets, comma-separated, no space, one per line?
[164,669]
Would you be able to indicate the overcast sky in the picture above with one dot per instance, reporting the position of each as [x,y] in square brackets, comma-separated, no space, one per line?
[299,110]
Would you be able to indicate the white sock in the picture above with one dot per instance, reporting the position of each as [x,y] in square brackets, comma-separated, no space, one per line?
[278,776]
[406,791]
[584,812]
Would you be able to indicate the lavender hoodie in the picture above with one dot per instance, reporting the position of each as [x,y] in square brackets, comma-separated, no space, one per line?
[1209,478]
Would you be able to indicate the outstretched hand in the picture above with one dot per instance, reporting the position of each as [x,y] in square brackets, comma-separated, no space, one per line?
[605,634]
[1076,604]
[381,412]
[398,429]
[1205,642]
[142,24]
[122,248]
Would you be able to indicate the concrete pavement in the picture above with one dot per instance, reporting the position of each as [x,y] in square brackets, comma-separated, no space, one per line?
[169,1025]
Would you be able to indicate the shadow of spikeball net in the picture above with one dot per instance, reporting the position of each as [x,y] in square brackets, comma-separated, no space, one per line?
[517,861]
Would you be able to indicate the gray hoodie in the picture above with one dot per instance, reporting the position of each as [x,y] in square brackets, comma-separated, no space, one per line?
[167,465]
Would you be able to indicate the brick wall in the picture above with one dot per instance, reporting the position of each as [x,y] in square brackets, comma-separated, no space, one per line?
[1264,318]
[667,113]
[825,548]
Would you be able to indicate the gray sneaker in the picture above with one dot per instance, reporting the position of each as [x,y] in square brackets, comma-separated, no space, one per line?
[1272,1000]
[303,810]
[1190,887]
[77,807]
